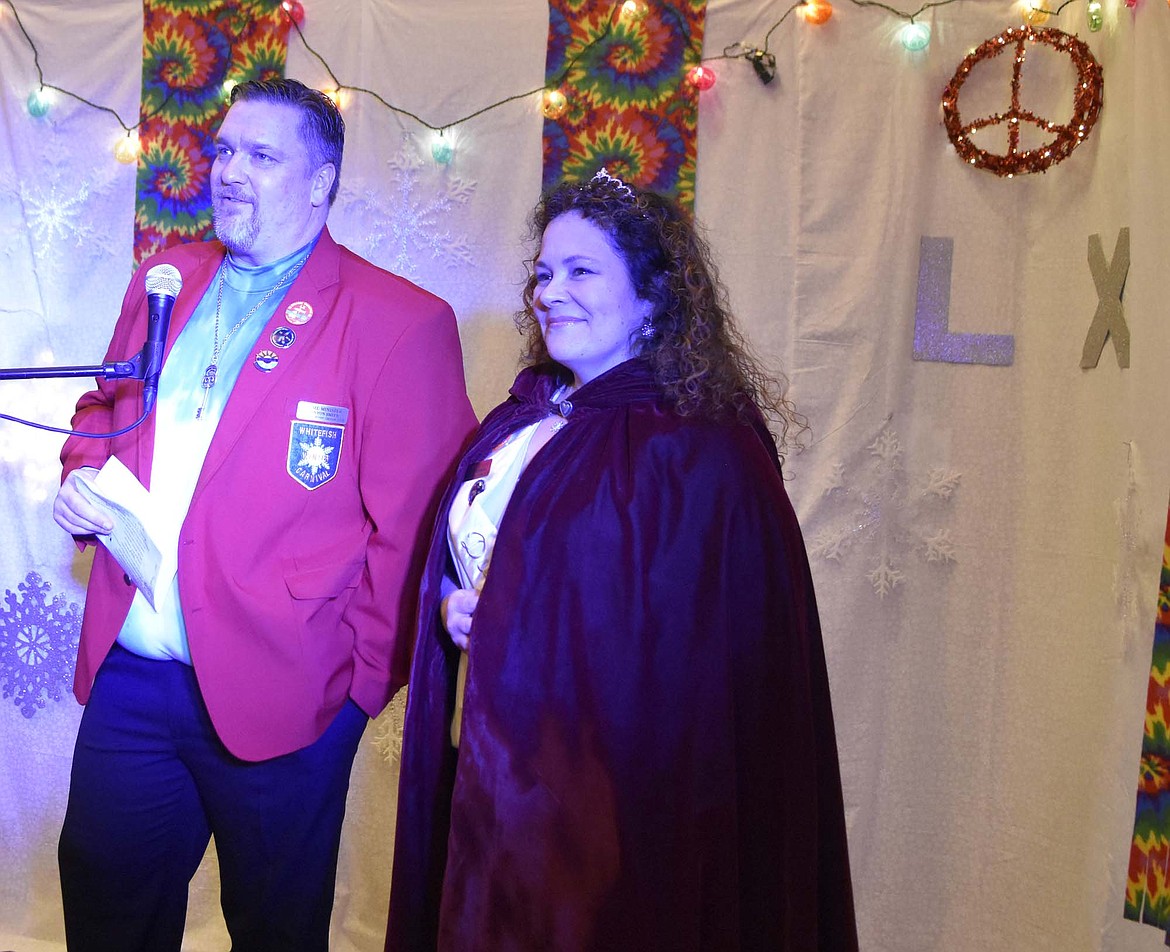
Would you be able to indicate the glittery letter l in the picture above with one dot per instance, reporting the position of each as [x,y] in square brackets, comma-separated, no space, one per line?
[932,339]
[1110,318]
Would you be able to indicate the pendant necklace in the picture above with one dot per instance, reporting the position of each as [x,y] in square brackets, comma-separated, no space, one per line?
[562,406]
[219,346]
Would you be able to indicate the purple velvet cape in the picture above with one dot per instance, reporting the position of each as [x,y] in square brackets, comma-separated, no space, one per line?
[648,758]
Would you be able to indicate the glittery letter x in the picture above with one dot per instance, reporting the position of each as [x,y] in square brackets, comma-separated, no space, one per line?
[1110,318]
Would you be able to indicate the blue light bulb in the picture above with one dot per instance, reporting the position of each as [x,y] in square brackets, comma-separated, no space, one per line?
[915,36]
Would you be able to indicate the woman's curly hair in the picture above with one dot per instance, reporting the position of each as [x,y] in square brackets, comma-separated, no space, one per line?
[699,357]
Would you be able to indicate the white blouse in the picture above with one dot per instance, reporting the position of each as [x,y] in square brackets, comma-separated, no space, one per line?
[478,507]
[472,523]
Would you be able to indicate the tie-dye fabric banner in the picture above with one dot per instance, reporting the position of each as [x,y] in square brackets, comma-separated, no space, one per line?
[1147,890]
[622,68]
[192,51]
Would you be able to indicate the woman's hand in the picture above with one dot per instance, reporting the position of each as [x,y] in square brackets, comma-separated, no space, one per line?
[72,511]
[456,611]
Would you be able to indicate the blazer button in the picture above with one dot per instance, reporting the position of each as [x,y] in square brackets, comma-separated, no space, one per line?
[126,578]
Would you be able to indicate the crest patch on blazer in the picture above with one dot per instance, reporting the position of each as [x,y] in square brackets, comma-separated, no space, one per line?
[314,452]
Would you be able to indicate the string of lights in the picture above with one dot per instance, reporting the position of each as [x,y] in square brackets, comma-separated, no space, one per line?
[296,18]
[914,36]
[40,99]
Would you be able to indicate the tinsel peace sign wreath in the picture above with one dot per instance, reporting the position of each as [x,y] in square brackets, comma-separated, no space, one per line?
[1086,104]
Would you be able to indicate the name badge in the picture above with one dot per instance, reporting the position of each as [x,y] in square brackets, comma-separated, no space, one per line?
[322,413]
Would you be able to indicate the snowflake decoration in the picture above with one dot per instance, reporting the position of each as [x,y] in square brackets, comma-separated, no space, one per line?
[398,230]
[887,447]
[55,213]
[939,547]
[58,212]
[885,577]
[889,514]
[836,478]
[830,544]
[388,728]
[38,644]
[941,483]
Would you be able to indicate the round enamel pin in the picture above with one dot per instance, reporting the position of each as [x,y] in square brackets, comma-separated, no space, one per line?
[299,312]
[266,360]
[283,337]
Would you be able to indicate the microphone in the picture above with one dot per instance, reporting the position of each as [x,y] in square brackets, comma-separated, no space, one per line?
[163,282]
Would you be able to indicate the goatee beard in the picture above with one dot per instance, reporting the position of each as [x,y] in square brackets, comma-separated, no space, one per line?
[237,236]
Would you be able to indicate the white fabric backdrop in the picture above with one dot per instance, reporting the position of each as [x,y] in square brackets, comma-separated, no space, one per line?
[989,706]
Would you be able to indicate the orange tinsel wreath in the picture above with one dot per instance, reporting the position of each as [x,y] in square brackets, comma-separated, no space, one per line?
[1087,104]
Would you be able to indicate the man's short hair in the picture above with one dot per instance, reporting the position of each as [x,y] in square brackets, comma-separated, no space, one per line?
[322,126]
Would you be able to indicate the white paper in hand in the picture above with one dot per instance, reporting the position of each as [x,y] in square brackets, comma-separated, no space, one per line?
[139,540]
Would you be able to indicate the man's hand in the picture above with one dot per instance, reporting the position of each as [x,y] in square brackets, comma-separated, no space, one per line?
[73,512]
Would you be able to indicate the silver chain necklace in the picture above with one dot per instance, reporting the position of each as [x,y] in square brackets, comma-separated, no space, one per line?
[219,346]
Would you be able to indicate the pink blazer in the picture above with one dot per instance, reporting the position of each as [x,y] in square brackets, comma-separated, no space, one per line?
[298,591]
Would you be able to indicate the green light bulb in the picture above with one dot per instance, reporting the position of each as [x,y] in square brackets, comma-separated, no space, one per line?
[1096,19]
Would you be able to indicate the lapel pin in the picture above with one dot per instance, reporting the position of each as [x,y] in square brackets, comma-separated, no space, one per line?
[299,312]
[283,337]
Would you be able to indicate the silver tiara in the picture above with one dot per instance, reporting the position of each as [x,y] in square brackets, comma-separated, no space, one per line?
[604,178]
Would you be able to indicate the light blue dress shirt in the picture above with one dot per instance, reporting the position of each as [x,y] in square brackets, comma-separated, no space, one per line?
[181,439]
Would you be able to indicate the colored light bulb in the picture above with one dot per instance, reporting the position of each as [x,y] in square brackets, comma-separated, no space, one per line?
[442,151]
[1096,18]
[1034,12]
[633,10]
[126,149]
[39,101]
[701,77]
[295,9]
[915,36]
[339,96]
[816,11]
[555,104]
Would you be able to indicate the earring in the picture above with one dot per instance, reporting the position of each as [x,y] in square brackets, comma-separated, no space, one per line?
[647,329]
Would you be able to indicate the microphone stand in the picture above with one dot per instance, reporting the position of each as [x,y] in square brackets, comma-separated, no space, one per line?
[115,370]
[163,283]
[135,368]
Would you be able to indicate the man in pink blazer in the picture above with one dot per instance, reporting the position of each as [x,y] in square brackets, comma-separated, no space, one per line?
[309,406]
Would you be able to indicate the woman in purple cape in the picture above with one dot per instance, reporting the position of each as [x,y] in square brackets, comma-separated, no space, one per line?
[619,734]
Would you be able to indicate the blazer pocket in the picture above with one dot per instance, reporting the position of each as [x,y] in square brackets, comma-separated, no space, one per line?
[325,581]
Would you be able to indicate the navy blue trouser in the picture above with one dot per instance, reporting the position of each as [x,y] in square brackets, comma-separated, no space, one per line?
[151,783]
